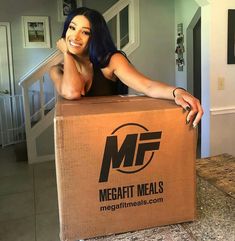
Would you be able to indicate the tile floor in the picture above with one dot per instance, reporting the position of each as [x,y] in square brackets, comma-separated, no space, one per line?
[29,210]
[28,200]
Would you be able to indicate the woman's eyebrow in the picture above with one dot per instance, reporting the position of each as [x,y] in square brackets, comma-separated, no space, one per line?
[82,27]
[86,28]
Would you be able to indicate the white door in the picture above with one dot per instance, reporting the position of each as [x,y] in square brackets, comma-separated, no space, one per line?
[6,77]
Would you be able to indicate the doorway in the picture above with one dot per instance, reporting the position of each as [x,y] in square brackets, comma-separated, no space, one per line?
[194,63]
[8,100]
[6,65]
[197,60]
[197,73]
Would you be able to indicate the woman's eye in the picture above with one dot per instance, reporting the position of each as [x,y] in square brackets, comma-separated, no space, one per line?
[86,33]
[71,27]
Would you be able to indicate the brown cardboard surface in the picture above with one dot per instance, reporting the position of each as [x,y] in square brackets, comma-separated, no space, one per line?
[154,185]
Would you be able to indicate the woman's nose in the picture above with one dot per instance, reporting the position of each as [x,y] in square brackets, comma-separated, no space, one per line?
[78,35]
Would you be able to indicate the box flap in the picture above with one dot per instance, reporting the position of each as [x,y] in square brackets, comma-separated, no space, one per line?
[110,104]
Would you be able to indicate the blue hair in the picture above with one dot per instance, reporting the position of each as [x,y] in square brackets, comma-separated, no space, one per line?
[101,45]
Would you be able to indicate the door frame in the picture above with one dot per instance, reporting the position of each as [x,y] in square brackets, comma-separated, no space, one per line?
[8,47]
[10,59]
[189,52]
[190,66]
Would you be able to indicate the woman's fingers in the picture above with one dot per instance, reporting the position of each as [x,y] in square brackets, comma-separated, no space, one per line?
[198,115]
[192,105]
[61,45]
[195,113]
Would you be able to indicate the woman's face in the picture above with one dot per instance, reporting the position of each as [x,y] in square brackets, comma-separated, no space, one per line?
[78,35]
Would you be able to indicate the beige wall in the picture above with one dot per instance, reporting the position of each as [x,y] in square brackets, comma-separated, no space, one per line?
[222,101]
[155,55]
[184,13]
[25,59]
[222,134]
[219,105]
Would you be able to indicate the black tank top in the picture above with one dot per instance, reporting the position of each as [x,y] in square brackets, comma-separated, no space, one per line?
[101,86]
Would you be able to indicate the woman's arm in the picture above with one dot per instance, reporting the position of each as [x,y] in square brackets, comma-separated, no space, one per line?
[68,80]
[137,81]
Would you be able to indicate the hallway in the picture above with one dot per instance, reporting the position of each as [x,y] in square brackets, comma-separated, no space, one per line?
[29,210]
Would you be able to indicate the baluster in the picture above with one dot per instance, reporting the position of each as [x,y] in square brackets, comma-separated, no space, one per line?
[42,101]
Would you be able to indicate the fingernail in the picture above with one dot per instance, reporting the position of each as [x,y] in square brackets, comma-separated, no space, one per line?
[187,122]
[188,108]
[194,125]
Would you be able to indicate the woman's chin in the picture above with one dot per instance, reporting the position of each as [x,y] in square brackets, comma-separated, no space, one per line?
[76,51]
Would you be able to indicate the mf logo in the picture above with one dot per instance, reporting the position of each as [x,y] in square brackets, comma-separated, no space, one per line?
[135,152]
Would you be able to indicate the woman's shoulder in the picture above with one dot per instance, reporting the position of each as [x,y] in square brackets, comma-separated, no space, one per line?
[119,56]
[110,56]
[117,59]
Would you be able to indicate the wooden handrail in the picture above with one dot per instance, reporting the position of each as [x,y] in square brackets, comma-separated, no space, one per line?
[41,68]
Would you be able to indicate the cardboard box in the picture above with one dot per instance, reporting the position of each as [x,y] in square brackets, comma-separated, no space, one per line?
[123,164]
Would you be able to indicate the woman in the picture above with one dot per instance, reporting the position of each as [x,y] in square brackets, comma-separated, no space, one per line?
[93,66]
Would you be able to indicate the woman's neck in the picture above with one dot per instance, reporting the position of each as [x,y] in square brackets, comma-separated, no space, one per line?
[83,63]
[84,59]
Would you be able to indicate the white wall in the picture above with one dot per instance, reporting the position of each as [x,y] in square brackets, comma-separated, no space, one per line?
[24,59]
[184,13]
[100,5]
[222,101]
[218,135]
[155,55]
[220,68]
[219,105]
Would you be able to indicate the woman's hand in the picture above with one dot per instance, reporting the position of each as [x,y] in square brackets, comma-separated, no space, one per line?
[189,103]
[62,46]
[67,78]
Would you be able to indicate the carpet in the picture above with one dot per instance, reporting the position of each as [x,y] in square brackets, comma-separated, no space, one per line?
[219,171]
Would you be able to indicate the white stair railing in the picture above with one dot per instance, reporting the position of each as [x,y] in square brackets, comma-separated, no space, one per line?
[132,33]
[38,107]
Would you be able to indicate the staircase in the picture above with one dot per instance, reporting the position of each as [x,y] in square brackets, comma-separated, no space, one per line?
[39,96]
[38,105]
